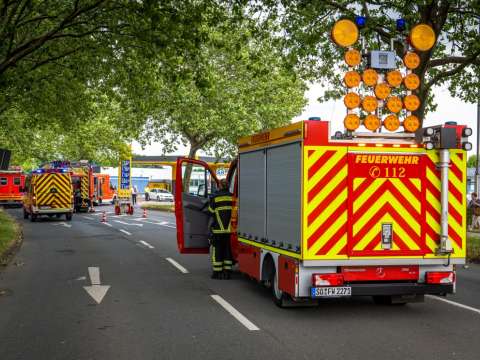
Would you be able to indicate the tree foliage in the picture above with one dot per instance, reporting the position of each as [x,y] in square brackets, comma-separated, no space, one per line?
[453,61]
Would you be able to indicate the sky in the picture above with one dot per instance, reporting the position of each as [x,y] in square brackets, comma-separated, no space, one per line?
[449,109]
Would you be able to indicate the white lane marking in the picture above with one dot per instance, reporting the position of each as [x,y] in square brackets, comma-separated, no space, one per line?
[125,232]
[88,218]
[147,244]
[235,313]
[163,223]
[62,224]
[105,223]
[94,273]
[466,307]
[125,223]
[96,290]
[177,265]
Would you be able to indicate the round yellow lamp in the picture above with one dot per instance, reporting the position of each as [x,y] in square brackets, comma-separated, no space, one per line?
[371,122]
[382,91]
[422,37]
[411,123]
[411,60]
[369,103]
[353,57]
[394,104]
[370,77]
[351,100]
[351,122]
[394,78]
[411,81]
[352,79]
[345,33]
[411,102]
[391,122]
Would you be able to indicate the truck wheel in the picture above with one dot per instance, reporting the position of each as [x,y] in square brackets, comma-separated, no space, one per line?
[33,217]
[68,216]
[25,214]
[279,297]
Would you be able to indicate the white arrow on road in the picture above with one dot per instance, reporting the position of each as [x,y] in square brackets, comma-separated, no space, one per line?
[124,223]
[63,224]
[96,290]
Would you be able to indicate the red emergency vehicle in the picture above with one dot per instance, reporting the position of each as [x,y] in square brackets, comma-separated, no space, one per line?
[102,189]
[11,184]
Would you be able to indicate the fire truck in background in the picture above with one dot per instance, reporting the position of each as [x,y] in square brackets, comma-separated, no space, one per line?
[101,189]
[12,182]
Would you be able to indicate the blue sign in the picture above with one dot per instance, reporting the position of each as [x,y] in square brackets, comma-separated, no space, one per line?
[125,175]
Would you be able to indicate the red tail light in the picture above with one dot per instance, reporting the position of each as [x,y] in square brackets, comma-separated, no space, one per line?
[327,279]
[440,277]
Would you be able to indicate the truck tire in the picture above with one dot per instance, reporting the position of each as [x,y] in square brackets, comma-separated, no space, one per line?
[33,217]
[25,214]
[68,216]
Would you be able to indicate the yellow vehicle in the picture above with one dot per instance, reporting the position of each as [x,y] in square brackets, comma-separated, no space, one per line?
[48,192]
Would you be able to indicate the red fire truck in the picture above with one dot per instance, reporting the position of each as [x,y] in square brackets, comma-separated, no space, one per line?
[11,184]
[357,214]
[103,192]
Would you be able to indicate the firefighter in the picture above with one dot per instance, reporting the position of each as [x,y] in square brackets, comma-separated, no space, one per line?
[220,207]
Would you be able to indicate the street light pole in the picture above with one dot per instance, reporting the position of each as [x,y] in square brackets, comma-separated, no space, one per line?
[478,133]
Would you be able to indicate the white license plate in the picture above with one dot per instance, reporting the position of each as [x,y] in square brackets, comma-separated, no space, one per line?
[321,292]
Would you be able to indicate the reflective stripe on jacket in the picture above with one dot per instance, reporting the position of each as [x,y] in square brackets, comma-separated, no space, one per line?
[220,207]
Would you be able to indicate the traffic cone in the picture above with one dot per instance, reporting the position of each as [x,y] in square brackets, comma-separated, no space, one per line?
[144,213]
[104,217]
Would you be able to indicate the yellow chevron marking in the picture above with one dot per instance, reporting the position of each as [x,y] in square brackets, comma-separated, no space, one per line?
[357,182]
[387,197]
[327,235]
[327,212]
[375,230]
[412,199]
[367,194]
[325,169]
[333,253]
[341,175]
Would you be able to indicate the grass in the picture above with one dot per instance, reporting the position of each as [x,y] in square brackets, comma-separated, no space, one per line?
[8,232]
[159,207]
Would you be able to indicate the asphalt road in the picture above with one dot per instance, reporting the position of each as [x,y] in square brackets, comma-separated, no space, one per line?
[162,305]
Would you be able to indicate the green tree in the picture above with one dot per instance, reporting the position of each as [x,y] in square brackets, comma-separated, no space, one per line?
[472,161]
[453,61]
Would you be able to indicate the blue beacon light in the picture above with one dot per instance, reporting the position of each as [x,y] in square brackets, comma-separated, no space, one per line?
[401,24]
[361,21]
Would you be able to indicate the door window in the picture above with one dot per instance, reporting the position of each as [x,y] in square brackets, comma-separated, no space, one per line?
[197,180]
[3,181]
[16,181]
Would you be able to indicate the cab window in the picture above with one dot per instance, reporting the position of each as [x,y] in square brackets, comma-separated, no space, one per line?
[3,181]
[16,181]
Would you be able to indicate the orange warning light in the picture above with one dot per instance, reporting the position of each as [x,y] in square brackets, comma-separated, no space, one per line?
[391,122]
[411,123]
[351,122]
[352,79]
[411,81]
[370,77]
[371,122]
[345,33]
[353,57]
[411,60]
[394,78]
[351,100]
[411,102]
[394,104]
[382,91]
[422,37]
[369,103]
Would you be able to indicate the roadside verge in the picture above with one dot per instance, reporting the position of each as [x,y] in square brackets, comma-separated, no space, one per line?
[158,207]
[10,237]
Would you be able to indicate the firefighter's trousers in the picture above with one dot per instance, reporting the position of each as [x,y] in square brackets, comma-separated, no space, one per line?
[221,253]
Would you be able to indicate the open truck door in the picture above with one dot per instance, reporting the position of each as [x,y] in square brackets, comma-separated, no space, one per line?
[195,182]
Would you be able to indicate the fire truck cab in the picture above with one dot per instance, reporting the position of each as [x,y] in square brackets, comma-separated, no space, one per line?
[11,185]
[319,216]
